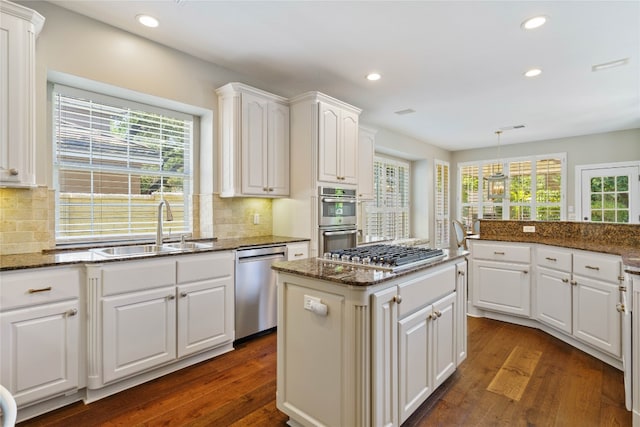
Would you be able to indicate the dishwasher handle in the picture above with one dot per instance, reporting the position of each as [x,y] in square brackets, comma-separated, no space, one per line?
[251,258]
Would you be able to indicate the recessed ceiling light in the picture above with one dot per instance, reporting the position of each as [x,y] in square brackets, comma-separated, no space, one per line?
[535,22]
[147,21]
[533,72]
[373,76]
[607,65]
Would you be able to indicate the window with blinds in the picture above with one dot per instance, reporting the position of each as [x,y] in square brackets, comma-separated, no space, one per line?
[535,187]
[114,161]
[387,217]
[442,227]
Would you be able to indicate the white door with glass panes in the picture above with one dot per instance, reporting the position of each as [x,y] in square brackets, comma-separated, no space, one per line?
[609,194]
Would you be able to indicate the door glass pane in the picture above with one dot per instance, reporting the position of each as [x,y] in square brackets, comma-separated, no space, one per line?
[623,201]
[596,184]
[622,183]
[609,183]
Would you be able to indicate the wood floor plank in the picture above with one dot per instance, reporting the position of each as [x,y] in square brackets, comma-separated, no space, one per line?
[567,388]
[514,374]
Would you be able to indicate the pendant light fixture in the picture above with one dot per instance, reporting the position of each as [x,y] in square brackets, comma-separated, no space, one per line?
[496,183]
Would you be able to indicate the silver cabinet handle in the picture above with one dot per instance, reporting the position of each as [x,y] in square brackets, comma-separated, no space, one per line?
[438,313]
[574,283]
[184,294]
[525,271]
[460,273]
[397,299]
[35,291]
[620,308]
[551,259]
[13,172]
[71,312]
[265,189]
[565,280]
[498,253]
[590,267]
[171,297]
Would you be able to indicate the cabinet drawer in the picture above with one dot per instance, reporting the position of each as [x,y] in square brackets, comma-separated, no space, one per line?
[138,275]
[41,286]
[555,258]
[597,266]
[297,251]
[502,252]
[425,289]
[192,268]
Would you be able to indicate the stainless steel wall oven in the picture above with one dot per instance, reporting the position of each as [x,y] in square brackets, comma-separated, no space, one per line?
[336,219]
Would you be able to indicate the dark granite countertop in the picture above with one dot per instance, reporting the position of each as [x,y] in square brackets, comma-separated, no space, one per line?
[353,275]
[630,254]
[84,256]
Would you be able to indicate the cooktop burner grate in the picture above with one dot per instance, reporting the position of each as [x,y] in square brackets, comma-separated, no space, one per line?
[388,257]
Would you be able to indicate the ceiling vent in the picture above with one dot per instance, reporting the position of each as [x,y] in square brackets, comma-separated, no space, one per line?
[512,127]
[405,112]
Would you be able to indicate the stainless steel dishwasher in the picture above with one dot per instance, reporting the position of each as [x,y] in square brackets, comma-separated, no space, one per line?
[256,308]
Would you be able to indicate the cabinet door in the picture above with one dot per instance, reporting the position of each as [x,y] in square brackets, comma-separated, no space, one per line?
[444,339]
[461,325]
[385,358]
[595,318]
[366,152]
[348,154]
[553,298]
[254,144]
[414,361]
[503,287]
[39,354]
[278,150]
[138,332]
[205,315]
[328,143]
[17,99]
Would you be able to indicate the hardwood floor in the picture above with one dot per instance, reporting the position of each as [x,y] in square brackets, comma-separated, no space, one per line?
[564,387]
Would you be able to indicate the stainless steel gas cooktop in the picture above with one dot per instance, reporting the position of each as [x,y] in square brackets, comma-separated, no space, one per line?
[386,257]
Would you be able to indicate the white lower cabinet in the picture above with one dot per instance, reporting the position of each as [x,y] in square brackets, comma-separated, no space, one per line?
[374,355]
[138,332]
[554,299]
[426,352]
[40,333]
[150,313]
[502,286]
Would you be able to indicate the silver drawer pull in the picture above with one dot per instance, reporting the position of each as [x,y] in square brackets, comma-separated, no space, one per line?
[298,254]
[13,172]
[438,313]
[184,294]
[590,267]
[35,291]
[71,312]
[460,273]
[551,259]
[397,299]
[621,308]
[525,271]
[574,283]
[498,253]
[171,297]
[565,280]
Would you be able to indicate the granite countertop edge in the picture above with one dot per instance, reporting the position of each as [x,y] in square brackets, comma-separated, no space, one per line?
[86,256]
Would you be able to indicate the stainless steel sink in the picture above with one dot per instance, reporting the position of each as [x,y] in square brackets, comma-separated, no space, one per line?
[188,246]
[132,251]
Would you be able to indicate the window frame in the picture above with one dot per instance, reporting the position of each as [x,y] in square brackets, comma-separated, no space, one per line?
[126,99]
[505,204]
[372,207]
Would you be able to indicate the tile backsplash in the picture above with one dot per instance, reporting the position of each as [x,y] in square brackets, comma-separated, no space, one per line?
[27,218]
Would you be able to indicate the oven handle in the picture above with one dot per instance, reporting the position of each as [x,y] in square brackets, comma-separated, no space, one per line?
[334,200]
[338,233]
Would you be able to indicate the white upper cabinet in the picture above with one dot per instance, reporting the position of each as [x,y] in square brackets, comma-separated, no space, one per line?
[19,27]
[254,142]
[337,144]
[366,152]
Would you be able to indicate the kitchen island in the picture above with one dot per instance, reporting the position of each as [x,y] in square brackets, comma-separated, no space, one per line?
[360,346]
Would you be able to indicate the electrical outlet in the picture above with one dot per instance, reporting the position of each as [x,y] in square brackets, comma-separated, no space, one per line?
[256,218]
[529,229]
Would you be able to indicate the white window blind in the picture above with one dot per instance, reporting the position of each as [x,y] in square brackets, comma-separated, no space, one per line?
[535,186]
[114,161]
[387,217]
[442,228]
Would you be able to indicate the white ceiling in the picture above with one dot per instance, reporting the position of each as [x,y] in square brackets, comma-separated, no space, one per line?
[458,64]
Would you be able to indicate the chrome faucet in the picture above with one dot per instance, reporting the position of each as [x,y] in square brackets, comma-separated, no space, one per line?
[169,218]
